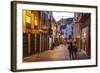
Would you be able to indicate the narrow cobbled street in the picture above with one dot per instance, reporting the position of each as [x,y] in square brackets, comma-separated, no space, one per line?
[58,53]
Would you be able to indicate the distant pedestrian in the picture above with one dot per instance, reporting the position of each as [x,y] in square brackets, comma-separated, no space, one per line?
[65,41]
[70,49]
[53,45]
[75,48]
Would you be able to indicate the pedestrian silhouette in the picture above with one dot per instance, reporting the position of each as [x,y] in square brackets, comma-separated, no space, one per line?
[70,48]
[75,46]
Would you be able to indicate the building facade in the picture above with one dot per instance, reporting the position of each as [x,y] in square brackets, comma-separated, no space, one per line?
[35,31]
[81,31]
[76,30]
[66,27]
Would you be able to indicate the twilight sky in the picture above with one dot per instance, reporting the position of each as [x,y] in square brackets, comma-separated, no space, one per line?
[58,15]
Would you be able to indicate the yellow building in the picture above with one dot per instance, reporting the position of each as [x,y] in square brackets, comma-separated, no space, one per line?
[35,39]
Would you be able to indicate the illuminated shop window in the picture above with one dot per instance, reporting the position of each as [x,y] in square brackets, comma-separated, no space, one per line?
[36,22]
[28,19]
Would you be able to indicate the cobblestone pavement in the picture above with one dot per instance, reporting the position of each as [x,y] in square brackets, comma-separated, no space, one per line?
[58,53]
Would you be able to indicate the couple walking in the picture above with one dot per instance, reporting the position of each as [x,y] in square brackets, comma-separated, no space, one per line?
[72,48]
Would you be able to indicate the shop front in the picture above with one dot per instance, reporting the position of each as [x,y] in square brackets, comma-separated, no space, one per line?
[35,39]
[86,40]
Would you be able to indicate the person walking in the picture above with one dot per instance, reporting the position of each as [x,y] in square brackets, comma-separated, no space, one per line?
[70,49]
[75,47]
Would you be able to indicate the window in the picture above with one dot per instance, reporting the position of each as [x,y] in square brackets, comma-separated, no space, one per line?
[28,19]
